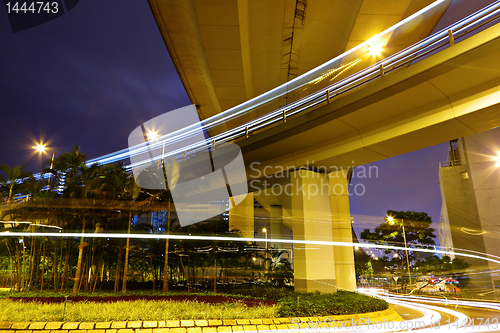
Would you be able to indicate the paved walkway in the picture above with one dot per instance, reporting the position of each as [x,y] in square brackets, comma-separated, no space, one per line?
[199,326]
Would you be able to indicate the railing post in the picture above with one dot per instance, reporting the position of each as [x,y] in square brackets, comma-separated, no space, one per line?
[284,116]
[185,153]
[213,144]
[246,132]
[328,96]
[451,38]
[382,71]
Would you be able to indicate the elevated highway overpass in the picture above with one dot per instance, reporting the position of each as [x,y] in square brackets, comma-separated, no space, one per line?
[450,94]
[353,110]
[373,114]
[229,51]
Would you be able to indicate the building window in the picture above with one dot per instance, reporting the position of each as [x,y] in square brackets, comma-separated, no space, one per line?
[464,175]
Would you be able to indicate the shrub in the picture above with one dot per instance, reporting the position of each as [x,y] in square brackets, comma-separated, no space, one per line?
[268,293]
[322,304]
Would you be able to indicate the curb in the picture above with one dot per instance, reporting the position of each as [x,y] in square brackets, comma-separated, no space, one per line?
[201,326]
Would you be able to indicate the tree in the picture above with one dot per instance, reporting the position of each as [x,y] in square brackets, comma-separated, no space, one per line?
[361,259]
[33,187]
[130,192]
[69,171]
[280,269]
[418,233]
[13,181]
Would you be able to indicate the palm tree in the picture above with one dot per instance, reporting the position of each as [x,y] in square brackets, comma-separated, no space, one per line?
[158,174]
[13,181]
[33,187]
[130,192]
[279,267]
[68,172]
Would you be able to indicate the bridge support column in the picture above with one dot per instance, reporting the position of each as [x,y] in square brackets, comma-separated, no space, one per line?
[314,265]
[341,230]
[276,225]
[241,217]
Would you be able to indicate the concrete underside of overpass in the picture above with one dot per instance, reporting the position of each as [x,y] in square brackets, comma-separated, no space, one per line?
[451,94]
[229,51]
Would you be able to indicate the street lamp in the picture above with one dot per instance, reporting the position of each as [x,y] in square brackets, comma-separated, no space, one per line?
[264,230]
[391,221]
[41,149]
[151,136]
[375,49]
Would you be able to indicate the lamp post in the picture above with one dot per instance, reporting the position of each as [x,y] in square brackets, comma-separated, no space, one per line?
[391,221]
[152,136]
[41,149]
[264,230]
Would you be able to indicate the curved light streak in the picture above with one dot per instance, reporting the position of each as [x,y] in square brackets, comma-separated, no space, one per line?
[460,317]
[472,231]
[457,325]
[451,301]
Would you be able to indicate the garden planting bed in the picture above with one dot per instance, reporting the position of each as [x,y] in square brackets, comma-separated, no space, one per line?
[209,299]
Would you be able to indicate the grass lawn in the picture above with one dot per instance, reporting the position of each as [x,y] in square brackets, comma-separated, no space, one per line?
[134,310]
[289,304]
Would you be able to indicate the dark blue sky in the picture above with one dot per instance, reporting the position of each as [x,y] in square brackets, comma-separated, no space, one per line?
[91,76]
[88,78]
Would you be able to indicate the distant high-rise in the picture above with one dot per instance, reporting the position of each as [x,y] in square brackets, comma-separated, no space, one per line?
[470,190]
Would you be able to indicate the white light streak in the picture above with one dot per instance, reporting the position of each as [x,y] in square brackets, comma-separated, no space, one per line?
[238,239]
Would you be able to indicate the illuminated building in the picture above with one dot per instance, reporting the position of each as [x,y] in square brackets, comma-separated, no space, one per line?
[470,189]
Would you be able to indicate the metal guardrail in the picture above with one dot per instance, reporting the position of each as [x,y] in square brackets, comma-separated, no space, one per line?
[449,164]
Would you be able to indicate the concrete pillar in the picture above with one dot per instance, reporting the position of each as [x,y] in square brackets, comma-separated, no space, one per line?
[341,226]
[314,265]
[276,226]
[241,217]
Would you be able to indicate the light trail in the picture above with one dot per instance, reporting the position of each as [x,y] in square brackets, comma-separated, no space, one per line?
[460,317]
[451,301]
[462,324]
[234,239]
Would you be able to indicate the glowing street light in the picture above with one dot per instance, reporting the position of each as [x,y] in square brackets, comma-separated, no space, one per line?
[497,159]
[375,49]
[152,135]
[41,149]
[264,230]
[391,221]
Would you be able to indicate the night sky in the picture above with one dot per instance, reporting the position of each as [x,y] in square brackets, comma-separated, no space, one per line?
[91,76]
[87,78]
